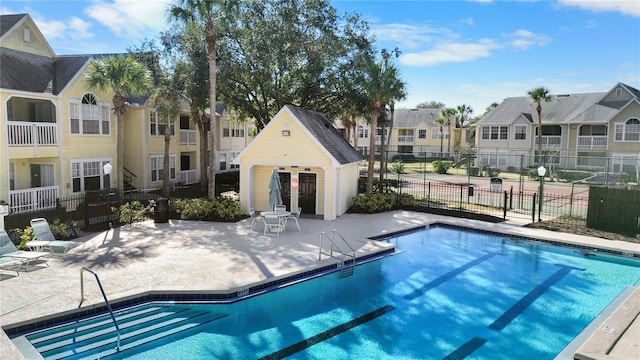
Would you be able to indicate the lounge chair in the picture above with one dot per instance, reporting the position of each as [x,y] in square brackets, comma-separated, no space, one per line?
[45,240]
[8,251]
[255,218]
[294,217]
[13,263]
[273,224]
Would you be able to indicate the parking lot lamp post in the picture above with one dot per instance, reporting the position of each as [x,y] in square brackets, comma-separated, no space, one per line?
[541,172]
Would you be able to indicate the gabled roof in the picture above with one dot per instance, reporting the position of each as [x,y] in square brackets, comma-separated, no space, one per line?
[562,109]
[35,73]
[326,134]
[7,22]
[411,118]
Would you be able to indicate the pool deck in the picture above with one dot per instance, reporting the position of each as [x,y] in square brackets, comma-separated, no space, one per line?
[209,257]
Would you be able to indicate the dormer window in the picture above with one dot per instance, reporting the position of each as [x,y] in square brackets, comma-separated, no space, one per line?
[618,92]
[26,34]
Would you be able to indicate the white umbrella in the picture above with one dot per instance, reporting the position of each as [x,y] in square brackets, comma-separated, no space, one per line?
[275,189]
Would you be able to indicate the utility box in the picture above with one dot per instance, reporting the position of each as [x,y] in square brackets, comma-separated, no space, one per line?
[161,211]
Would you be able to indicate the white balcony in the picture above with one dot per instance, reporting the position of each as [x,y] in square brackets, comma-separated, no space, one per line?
[33,199]
[22,133]
[189,176]
[188,137]
[405,138]
[592,142]
[554,140]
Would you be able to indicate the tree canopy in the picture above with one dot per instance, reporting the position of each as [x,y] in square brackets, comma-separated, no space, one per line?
[298,52]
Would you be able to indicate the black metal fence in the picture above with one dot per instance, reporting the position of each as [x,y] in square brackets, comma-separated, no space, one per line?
[522,206]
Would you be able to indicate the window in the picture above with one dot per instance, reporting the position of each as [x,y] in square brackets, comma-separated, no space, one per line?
[223,161]
[88,117]
[437,134]
[495,132]
[629,131]
[363,132]
[88,174]
[233,156]
[12,177]
[238,132]
[157,165]
[422,133]
[157,126]
[26,34]
[520,132]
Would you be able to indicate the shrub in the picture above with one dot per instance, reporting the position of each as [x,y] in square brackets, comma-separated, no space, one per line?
[492,171]
[473,171]
[193,209]
[222,209]
[133,211]
[442,166]
[61,229]
[379,202]
[25,235]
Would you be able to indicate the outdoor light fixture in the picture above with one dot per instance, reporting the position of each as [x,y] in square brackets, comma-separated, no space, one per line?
[541,172]
[107,168]
[286,133]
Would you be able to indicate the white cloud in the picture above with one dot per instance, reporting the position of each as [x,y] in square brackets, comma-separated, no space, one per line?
[628,7]
[127,18]
[524,39]
[79,29]
[408,36]
[450,52]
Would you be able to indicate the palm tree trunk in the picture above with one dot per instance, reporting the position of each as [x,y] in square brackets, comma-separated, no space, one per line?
[165,168]
[372,146]
[539,110]
[120,152]
[212,37]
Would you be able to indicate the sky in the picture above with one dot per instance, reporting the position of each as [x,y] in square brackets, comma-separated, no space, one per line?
[455,52]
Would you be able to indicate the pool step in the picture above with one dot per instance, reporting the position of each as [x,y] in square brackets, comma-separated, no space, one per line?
[96,337]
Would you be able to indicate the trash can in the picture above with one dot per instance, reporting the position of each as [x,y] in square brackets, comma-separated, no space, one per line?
[471,187]
[161,211]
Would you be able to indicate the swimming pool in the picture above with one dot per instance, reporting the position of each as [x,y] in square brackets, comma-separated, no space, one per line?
[449,293]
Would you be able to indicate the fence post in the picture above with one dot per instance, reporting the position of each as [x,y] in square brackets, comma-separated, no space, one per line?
[460,197]
[429,196]
[511,199]
[504,211]
[533,208]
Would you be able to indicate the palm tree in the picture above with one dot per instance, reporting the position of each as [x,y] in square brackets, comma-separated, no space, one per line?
[440,121]
[448,113]
[380,85]
[462,111]
[209,14]
[538,95]
[123,76]
[167,106]
[397,91]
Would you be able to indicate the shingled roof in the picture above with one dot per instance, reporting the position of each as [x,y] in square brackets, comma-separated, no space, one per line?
[35,73]
[411,118]
[328,136]
[9,21]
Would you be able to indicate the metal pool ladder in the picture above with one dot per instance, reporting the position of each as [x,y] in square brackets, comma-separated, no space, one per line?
[82,298]
[347,259]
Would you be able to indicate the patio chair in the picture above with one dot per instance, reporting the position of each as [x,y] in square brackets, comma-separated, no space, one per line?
[279,208]
[45,240]
[273,224]
[8,251]
[255,218]
[295,217]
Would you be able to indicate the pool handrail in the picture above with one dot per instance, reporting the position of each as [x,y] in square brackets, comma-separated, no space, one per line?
[82,298]
[333,246]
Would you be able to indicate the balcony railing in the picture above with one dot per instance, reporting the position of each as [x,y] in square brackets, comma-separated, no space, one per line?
[592,141]
[33,199]
[189,176]
[550,140]
[188,137]
[22,133]
[405,138]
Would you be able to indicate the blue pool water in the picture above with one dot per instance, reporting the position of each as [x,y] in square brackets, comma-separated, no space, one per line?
[448,294]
